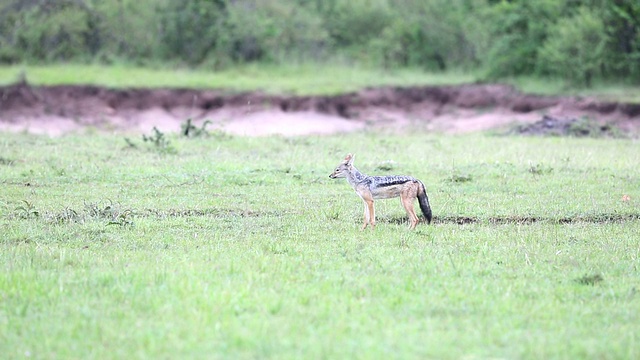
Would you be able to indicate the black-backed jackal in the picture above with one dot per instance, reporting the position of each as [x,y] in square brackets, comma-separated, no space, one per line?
[371,188]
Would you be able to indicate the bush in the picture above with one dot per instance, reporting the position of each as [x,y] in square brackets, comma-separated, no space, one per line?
[575,48]
[515,32]
[50,31]
[574,40]
[192,30]
[275,31]
[427,34]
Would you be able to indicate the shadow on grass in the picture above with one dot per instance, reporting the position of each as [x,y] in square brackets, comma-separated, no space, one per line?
[516,219]
[119,215]
[214,212]
[604,218]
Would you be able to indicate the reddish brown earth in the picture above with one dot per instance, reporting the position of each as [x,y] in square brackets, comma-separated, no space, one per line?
[56,110]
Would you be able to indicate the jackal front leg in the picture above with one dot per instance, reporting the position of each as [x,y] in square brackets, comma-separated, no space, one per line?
[366,215]
[369,214]
[372,214]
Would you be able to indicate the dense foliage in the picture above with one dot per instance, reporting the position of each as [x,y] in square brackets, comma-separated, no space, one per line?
[578,40]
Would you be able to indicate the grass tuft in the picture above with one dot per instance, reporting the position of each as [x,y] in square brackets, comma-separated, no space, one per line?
[590,279]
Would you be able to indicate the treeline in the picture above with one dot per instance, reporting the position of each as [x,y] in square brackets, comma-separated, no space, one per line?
[577,40]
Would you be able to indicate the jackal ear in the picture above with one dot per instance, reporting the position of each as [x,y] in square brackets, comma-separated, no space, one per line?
[349,159]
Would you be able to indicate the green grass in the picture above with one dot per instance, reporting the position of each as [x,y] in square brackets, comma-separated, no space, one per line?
[605,91]
[244,248]
[304,79]
[301,79]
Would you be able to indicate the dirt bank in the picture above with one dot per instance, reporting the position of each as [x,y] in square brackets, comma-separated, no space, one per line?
[56,110]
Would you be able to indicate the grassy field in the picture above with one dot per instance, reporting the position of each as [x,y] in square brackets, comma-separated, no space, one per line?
[305,79]
[229,247]
[302,80]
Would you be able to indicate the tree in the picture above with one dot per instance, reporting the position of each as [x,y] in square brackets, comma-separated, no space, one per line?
[192,29]
[575,48]
[517,30]
[49,30]
[622,24]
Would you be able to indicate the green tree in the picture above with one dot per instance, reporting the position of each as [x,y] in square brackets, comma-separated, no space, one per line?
[426,34]
[128,30]
[352,25]
[49,30]
[516,31]
[292,32]
[191,30]
[576,47]
[622,24]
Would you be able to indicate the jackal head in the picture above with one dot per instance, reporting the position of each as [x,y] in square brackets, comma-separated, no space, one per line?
[343,168]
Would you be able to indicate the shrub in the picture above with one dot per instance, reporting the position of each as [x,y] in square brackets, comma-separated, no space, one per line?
[575,48]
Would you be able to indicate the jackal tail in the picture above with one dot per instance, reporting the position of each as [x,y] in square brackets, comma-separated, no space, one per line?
[423,200]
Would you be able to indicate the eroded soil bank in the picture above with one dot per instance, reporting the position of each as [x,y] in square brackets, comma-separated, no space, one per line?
[56,110]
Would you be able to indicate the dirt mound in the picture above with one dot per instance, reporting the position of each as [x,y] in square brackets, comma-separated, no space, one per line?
[473,107]
[555,126]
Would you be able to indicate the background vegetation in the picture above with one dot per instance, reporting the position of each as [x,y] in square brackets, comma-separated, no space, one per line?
[579,41]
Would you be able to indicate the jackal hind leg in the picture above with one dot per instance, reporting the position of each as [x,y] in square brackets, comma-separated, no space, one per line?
[407,197]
